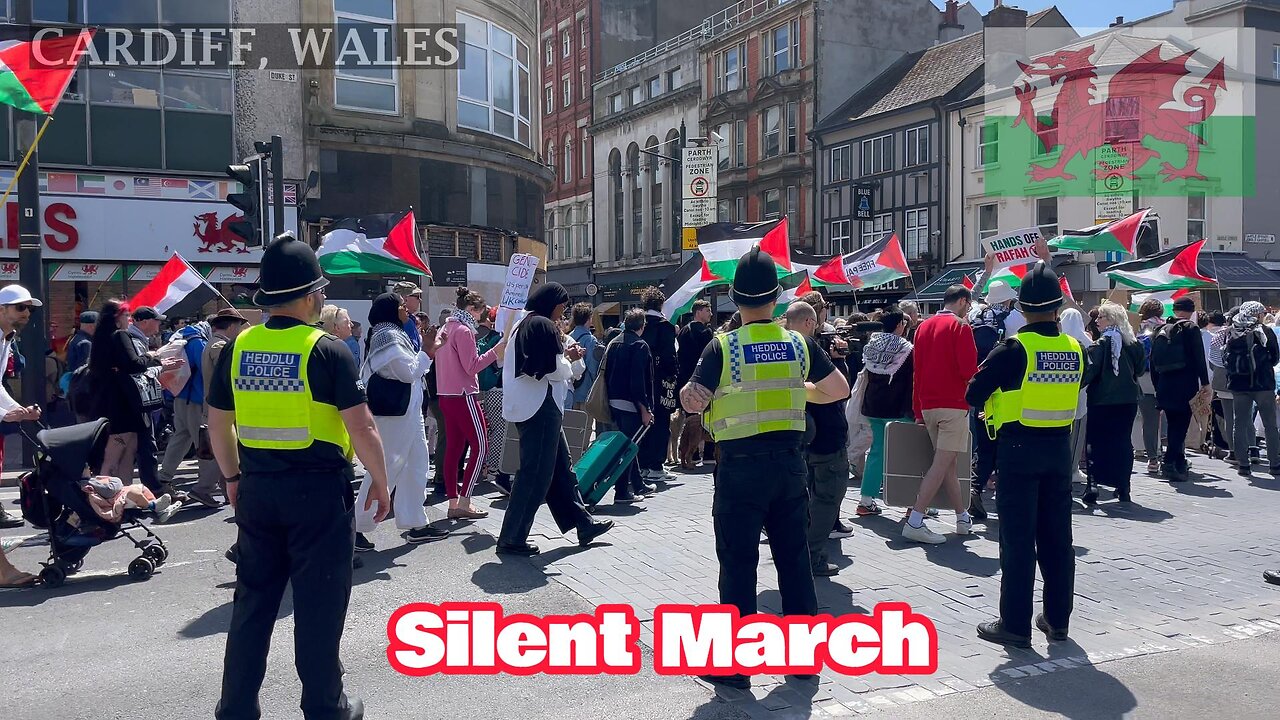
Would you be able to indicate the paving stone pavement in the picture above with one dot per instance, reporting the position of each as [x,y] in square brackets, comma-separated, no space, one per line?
[1180,568]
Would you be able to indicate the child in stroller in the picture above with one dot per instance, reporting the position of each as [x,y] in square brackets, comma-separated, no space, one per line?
[110,498]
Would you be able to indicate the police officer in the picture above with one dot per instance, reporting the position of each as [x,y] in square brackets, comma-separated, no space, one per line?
[756,380]
[286,412]
[1029,387]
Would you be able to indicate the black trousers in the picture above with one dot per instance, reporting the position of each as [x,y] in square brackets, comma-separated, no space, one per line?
[293,529]
[628,423]
[654,445]
[1034,503]
[1110,436]
[1179,420]
[984,452]
[769,491]
[545,475]
[828,483]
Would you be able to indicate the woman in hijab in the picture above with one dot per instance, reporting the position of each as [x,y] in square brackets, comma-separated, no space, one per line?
[389,355]
[1116,362]
[1073,324]
[536,375]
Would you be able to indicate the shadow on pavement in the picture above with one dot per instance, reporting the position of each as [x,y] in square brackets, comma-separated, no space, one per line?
[506,575]
[952,554]
[1134,511]
[77,584]
[216,621]
[1082,693]
[1195,489]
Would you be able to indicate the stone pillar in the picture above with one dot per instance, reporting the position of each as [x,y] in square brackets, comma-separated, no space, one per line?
[645,245]
[628,214]
[668,212]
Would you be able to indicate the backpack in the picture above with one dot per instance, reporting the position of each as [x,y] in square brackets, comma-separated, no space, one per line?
[1241,363]
[1145,340]
[80,391]
[32,500]
[1167,351]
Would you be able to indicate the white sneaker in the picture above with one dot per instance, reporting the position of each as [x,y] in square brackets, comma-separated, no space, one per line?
[964,528]
[922,534]
[163,516]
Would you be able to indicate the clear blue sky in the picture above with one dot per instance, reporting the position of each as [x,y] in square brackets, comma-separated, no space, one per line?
[1087,13]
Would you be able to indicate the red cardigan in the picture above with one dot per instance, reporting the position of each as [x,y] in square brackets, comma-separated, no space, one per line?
[946,359]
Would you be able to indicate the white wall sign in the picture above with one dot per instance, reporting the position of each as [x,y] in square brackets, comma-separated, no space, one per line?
[516,290]
[1112,205]
[86,271]
[1015,248]
[9,271]
[146,273]
[1259,239]
[244,274]
[698,206]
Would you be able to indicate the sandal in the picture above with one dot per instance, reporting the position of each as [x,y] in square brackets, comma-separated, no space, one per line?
[21,580]
[467,514]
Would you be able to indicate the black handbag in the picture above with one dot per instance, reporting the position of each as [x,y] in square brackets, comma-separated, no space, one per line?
[387,398]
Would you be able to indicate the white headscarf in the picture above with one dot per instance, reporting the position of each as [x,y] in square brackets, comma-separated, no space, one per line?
[1073,325]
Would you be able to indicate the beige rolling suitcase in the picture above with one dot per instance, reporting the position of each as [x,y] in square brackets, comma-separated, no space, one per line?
[908,453]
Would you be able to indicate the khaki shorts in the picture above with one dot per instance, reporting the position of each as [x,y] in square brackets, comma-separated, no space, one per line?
[948,429]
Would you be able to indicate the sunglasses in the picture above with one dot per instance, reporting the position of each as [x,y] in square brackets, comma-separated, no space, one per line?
[23,308]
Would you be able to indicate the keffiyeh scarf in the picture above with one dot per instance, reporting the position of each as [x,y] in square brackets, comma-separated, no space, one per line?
[885,353]
[384,337]
[1117,344]
[465,318]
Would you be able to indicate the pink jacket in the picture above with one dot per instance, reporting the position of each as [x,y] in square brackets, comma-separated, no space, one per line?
[457,364]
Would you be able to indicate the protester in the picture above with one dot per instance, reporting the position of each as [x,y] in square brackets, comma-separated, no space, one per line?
[1150,320]
[224,327]
[535,374]
[945,361]
[335,321]
[628,376]
[660,335]
[390,357]
[490,382]
[1116,362]
[412,295]
[144,333]
[912,312]
[592,353]
[188,405]
[80,343]
[353,341]
[825,456]
[887,360]
[1249,357]
[1179,370]
[458,366]
[1223,409]
[692,339]
[437,438]
[989,330]
[16,305]
[1073,324]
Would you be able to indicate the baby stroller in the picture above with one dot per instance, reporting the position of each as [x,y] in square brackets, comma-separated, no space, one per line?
[51,494]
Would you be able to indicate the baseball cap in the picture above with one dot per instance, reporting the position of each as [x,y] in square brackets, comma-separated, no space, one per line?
[146,312]
[89,316]
[404,288]
[1186,304]
[16,294]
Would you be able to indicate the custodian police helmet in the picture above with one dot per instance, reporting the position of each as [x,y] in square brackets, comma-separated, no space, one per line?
[755,283]
[1040,291]
[290,270]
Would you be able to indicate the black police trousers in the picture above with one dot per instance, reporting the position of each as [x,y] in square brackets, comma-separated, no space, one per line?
[770,491]
[298,529]
[1034,503]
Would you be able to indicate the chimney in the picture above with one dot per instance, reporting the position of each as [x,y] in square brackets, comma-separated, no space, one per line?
[1119,21]
[1005,42]
[1004,16]
[950,28]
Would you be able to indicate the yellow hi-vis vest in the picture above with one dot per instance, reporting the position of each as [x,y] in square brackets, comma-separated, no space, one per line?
[761,383]
[1050,386]
[275,409]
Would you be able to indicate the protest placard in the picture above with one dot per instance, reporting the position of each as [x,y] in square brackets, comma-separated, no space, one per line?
[1015,248]
[516,290]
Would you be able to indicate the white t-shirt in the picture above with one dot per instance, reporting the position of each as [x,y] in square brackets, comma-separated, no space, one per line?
[1013,322]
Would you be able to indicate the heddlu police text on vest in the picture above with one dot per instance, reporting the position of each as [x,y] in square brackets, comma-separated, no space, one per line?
[769,352]
[270,364]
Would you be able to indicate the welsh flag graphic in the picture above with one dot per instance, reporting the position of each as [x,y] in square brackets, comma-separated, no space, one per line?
[375,244]
[1169,270]
[876,264]
[1114,236]
[34,75]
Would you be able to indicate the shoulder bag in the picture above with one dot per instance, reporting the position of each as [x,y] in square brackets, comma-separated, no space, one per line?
[597,404]
[386,397]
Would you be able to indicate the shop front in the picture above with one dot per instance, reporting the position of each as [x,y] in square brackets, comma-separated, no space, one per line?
[620,291]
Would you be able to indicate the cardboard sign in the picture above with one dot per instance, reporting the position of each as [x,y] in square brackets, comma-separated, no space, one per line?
[908,453]
[516,290]
[1016,248]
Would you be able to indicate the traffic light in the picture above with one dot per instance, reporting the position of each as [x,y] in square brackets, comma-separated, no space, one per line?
[251,202]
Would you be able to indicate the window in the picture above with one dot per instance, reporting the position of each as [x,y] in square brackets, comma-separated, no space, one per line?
[873,229]
[740,209]
[988,221]
[782,48]
[1275,62]
[586,159]
[729,75]
[548,99]
[917,232]
[566,44]
[550,223]
[770,125]
[772,204]
[615,103]
[839,163]
[674,80]
[1122,120]
[723,208]
[582,32]
[988,147]
[636,93]
[566,91]
[793,125]
[877,155]
[493,88]
[357,86]
[740,143]
[568,160]
[838,237]
[655,86]
[1197,216]
[793,210]
[917,146]
[1047,216]
[722,147]
[585,81]
[549,54]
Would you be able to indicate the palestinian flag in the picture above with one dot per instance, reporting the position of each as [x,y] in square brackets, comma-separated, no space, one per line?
[1114,236]
[1169,270]
[1166,298]
[794,286]
[1012,275]
[684,285]
[375,245]
[178,290]
[876,264]
[723,244]
[1066,288]
[34,75]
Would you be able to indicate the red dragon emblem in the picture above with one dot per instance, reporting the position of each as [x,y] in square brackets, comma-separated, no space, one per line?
[1142,88]
[8,268]
[89,269]
[217,237]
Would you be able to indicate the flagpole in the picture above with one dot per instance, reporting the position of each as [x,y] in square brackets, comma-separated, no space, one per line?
[1217,284]
[25,160]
